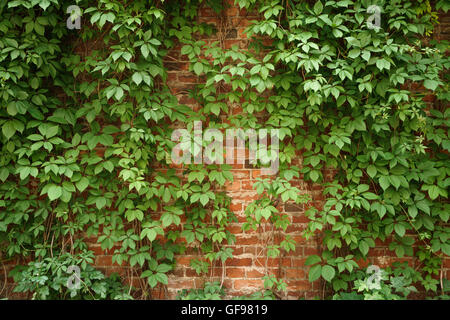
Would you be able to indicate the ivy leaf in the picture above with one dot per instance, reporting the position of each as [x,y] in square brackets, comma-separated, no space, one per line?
[354,53]
[371,171]
[68,186]
[4,173]
[152,281]
[150,233]
[313,259]
[314,175]
[44,4]
[366,55]
[445,248]
[363,247]
[431,84]
[412,210]
[144,51]
[186,49]
[137,78]
[315,273]
[433,192]
[54,192]
[161,277]
[423,205]
[198,68]
[204,199]
[215,108]
[100,202]
[328,272]
[318,8]
[11,109]
[163,268]
[399,229]
[8,129]
[384,182]
[82,184]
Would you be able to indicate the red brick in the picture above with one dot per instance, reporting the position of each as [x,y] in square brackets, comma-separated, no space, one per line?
[236,207]
[447,263]
[299,285]
[298,262]
[295,273]
[246,240]
[254,273]
[103,261]
[247,185]
[233,186]
[242,262]
[183,261]
[235,272]
[247,284]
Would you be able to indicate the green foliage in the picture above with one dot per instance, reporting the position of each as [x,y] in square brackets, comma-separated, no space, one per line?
[86,119]
[215,291]
[346,96]
[47,279]
[86,123]
[392,285]
[210,291]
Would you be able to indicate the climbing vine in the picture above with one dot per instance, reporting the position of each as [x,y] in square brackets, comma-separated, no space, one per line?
[87,118]
[355,92]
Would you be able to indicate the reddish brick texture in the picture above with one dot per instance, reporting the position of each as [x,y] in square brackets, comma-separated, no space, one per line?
[244,271]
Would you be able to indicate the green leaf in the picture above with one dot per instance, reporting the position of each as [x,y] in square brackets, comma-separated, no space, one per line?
[163,268]
[328,272]
[315,272]
[150,233]
[446,250]
[431,84]
[137,78]
[82,184]
[314,175]
[186,49]
[11,109]
[54,192]
[198,68]
[433,192]
[354,53]
[412,210]
[384,182]
[371,171]
[204,199]
[68,186]
[161,277]
[8,129]
[313,259]
[423,205]
[4,173]
[35,137]
[215,108]
[144,51]
[100,202]
[52,131]
[363,247]
[318,8]
[399,229]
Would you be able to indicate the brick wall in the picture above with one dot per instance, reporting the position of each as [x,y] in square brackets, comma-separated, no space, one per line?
[243,273]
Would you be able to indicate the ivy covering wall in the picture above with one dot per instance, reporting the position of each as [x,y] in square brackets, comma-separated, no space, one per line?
[87,116]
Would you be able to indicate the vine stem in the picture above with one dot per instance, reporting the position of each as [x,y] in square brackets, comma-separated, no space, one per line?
[6,278]
[441,276]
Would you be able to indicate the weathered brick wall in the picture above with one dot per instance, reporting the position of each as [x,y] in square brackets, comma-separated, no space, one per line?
[243,273]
